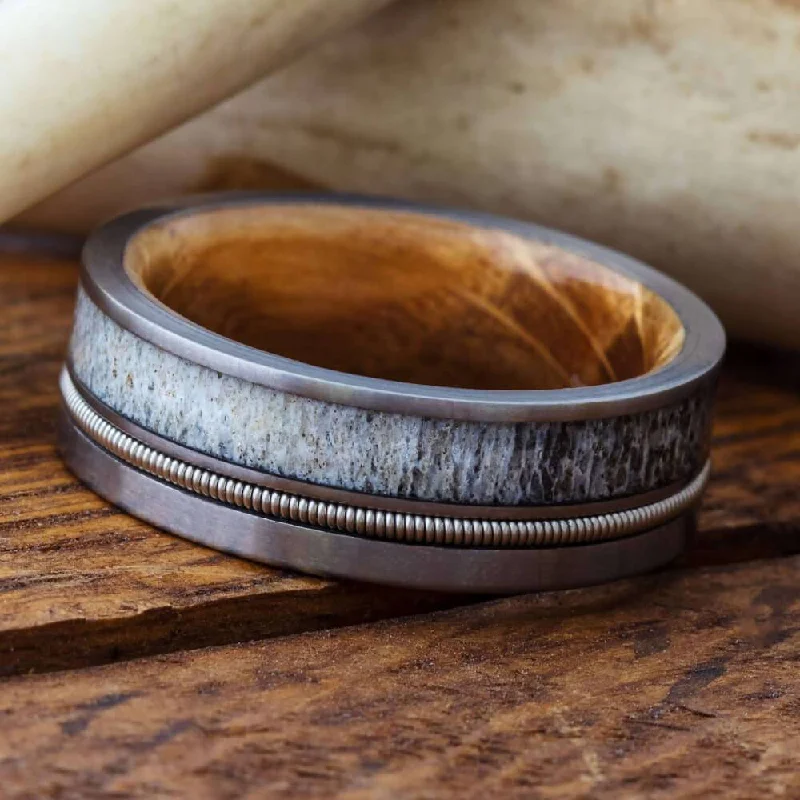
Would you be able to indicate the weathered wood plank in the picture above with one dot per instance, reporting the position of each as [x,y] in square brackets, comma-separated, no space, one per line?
[84,584]
[680,685]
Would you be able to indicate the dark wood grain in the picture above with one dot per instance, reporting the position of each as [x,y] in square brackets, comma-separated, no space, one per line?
[683,684]
[752,507]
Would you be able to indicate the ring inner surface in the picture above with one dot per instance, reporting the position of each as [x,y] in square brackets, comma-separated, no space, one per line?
[405,297]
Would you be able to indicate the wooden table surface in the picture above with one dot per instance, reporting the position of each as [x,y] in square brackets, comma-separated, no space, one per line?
[134,664]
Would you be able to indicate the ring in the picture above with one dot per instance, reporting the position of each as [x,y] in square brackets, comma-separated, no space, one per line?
[390,392]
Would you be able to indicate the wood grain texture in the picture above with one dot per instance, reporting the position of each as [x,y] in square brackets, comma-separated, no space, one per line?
[678,685]
[84,584]
[405,296]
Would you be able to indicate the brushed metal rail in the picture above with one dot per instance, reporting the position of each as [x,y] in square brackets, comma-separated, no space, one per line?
[375,523]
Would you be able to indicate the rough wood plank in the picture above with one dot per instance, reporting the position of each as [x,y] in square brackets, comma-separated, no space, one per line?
[84,584]
[680,685]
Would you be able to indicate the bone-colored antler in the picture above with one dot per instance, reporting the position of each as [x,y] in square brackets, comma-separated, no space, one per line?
[86,82]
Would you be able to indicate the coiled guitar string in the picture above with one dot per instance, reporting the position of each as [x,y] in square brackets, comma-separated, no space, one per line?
[367,522]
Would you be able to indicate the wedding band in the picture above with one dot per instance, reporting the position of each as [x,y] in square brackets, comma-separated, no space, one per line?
[390,392]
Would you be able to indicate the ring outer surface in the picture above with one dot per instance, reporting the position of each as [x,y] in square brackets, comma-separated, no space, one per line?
[688,379]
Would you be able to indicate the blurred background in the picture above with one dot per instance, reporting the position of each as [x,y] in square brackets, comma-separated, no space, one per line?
[668,129]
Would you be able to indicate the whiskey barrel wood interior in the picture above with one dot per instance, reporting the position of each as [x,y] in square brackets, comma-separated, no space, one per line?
[405,296]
